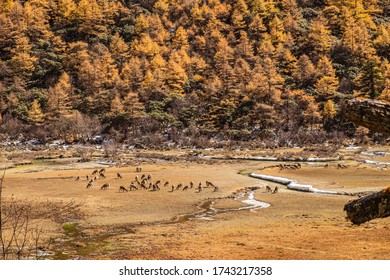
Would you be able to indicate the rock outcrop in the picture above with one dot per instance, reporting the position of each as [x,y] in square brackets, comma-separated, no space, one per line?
[369,207]
[375,115]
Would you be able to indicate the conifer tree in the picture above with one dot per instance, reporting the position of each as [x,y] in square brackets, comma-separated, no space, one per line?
[370,79]
[60,98]
[35,114]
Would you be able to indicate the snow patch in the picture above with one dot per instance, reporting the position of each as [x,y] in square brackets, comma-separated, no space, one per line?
[291,184]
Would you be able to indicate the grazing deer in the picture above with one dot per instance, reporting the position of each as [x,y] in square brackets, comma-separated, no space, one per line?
[106,186]
[90,184]
[185,188]
[179,186]
[119,176]
[102,175]
[143,176]
[216,189]
[342,166]
[95,172]
[326,165]
[166,184]
[268,189]
[95,178]
[275,190]
[122,189]
[158,182]
[133,188]
[102,170]
[200,187]
[77,178]
[209,184]
[149,177]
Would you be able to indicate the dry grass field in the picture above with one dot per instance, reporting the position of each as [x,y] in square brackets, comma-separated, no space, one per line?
[90,223]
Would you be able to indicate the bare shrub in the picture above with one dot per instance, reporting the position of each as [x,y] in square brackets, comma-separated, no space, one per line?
[12,127]
[84,153]
[18,237]
[75,128]
[111,150]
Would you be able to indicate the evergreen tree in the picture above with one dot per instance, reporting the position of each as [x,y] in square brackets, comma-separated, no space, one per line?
[59,98]
[370,80]
[35,115]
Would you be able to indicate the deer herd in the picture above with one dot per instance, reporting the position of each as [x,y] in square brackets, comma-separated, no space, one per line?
[144,182]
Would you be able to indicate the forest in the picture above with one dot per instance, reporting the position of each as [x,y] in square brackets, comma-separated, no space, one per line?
[191,72]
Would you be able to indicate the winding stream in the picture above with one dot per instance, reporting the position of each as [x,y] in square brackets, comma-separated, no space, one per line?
[208,211]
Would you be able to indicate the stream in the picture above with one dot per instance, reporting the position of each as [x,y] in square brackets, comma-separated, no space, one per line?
[208,210]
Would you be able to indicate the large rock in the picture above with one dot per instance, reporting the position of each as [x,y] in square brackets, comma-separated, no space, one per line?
[375,115]
[376,205]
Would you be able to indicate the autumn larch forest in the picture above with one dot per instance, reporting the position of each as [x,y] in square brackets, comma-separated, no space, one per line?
[190,72]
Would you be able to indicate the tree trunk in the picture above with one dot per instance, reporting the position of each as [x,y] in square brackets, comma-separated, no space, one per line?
[369,207]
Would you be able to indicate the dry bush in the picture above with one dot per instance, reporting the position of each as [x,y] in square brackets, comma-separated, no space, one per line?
[111,150]
[19,238]
[84,153]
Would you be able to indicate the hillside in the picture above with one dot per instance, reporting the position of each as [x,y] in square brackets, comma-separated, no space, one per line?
[187,71]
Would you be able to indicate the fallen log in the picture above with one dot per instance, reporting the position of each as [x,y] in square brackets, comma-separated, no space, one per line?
[373,206]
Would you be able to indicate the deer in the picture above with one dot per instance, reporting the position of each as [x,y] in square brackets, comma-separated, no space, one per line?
[149,177]
[275,190]
[102,170]
[95,172]
[119,176]
[77,178]
[216,189]
[166,184]
[185,188]
[90,184]
[342,166]
[209,184]
[138,169]
[122,189]
[102,175]
[179,186]
[172,188]
[200,187]
[106,186]
[133,188]
[268,189]
[191,185]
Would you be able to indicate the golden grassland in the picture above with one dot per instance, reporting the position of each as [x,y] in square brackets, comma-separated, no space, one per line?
[145,224]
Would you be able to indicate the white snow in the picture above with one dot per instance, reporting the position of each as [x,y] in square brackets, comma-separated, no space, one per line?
[291,184]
